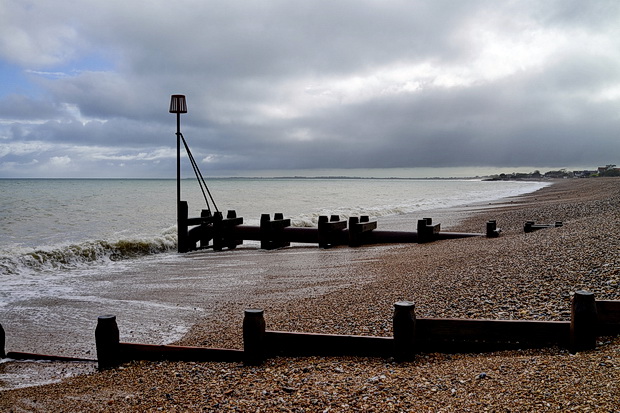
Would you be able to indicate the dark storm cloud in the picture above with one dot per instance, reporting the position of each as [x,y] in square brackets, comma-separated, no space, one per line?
[23,108]
[304,85]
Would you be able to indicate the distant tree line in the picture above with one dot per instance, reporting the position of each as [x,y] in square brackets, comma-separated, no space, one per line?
[607,170]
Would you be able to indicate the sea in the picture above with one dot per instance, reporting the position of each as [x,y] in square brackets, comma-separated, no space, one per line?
[52,226]
[74,248]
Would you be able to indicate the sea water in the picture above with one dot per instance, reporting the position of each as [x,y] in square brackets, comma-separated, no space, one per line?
[72,249]
[59,224]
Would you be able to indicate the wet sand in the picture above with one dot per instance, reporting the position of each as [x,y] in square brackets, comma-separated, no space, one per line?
[351,291]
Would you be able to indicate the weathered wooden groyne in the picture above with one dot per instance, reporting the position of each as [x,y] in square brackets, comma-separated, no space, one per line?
[215,231]
[590,319]
[531,226]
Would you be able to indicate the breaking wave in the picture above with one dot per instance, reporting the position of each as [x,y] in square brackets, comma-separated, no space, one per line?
[63,257]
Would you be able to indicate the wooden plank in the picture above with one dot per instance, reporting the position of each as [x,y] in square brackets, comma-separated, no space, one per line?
[521,332]
[18,355]
[309,344]
[608,317]
[133,351]
[333,225]
[229,222]
[531,226]
[365,226]
[279,224]
[203,220]
[608,311]
[194,221]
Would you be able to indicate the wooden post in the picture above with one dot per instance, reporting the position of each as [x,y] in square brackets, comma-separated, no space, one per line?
[271,232]
[404,330]
[265,220]
[206,232]
[254,337]
[354,234]
[218,232]
[329,230]
[107,341]
[223,228]
[492,230]
[583,322]
[2,342]
[491,226]
[182,238]
[422,231]
[232,220]
[323,236]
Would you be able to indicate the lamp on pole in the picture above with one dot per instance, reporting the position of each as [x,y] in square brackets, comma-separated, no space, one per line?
[178,106]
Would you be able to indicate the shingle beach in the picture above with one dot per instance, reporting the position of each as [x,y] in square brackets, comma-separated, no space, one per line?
[524,276]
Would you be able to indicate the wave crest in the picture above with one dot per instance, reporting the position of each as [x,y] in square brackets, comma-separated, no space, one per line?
[85,253]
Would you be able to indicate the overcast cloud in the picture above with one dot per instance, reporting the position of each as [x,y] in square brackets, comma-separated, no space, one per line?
[289,85]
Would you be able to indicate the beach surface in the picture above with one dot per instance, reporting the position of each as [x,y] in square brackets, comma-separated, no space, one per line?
[352,291]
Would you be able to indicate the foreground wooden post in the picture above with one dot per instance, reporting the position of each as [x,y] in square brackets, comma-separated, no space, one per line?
[254,337]
[583,322]
[404,330]
[2,342]
[107,341]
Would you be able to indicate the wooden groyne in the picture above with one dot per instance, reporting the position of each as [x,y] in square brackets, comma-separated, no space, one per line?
[215,231]
[590,319]
[531,226]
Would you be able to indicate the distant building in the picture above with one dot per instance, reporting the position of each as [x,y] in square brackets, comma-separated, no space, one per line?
[608,170]
[584,174]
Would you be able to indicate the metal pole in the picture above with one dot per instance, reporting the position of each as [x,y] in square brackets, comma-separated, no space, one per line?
[178,106]
[178,171]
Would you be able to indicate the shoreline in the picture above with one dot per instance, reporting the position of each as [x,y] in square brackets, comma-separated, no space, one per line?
[144,291]
[518,276]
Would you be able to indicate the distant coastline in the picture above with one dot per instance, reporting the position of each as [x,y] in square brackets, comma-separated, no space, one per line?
[601,171]
[480,174]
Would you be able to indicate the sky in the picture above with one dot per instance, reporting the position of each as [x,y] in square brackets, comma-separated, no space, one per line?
[322,87]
